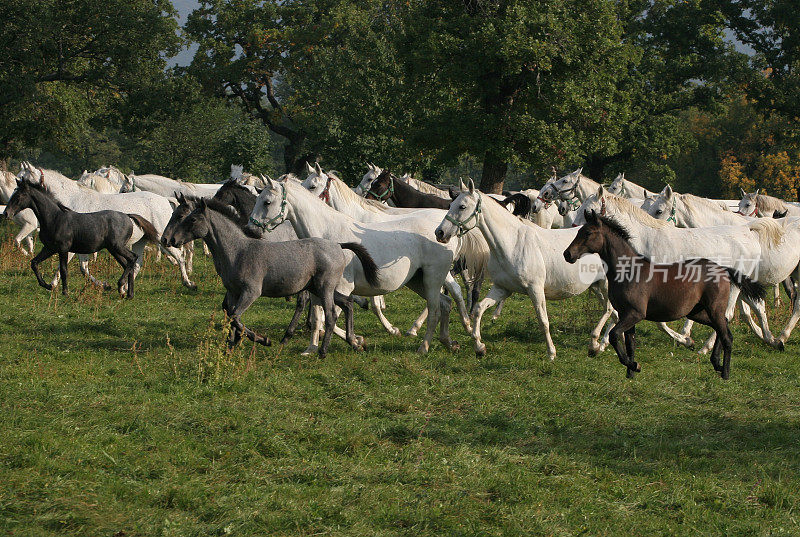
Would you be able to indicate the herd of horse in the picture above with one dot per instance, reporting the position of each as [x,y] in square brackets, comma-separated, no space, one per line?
[331,245]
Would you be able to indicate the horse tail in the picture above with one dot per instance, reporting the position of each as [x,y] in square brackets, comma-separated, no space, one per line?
[522,204]
[370,268]
[144,224]
[750,289]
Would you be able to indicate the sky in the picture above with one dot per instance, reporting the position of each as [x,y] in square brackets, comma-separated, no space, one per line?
[184,7]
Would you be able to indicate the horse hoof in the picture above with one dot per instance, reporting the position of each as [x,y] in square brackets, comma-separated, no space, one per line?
[192,286]
[638,367]
[423,349]
[411,332]
[311,349]
[284,340]
[361,344]
[725,376]
[689,343]
[780,346]
[454,346]
[267,342]
[480,352]
[395,331]
[631,373]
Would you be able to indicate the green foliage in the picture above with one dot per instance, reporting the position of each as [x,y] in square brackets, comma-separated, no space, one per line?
[64,61]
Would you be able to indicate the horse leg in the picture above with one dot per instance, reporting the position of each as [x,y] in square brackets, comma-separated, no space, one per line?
[227,306]
[244,301]
[361,301]
[127,259]
[496,294]
[759,307]
[627,320]
[346,304]
[475,294]
[315,318]
[431,292]
[788,286]
[418,323]
[177,255]
[302,302]
[733,299]
[41,256]
[536,295]
[630,343]
[62,269]
[188,256]
[375,304]
[452,286]
[445,306]
[787,331]
[498,310]
[686,341]
[83,264]
[25,234]
[600,289]
[776,295]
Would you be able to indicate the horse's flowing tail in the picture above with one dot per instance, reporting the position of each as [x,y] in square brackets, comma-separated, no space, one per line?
[750,289]
[370,268]
[149,229]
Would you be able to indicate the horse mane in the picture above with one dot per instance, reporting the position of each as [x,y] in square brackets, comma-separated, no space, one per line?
[48,194]
[629,209]
[235,184]
[425,187]
[222,208]
[769,204]
[769,231]
[615,227]
[351,197]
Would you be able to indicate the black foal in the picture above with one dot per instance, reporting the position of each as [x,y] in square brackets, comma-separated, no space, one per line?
[638,289]
[63,231]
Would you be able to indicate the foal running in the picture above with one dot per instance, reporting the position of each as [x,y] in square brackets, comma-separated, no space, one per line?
[251,268]
[64,231]
[638,289]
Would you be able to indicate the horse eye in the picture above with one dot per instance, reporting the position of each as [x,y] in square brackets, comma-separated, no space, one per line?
[463,207]
[659,211]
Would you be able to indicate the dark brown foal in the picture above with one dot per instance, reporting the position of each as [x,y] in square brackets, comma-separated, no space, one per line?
[638,289]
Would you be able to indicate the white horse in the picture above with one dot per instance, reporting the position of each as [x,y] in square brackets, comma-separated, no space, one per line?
[525,259]
[101,181]
[153,207]
[688,210]
[768,251]
[333,191]
[166,187]
[628,189]
[25,219]
[404,250]
[760,205]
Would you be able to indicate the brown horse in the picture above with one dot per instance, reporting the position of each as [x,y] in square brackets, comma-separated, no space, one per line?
[638,289]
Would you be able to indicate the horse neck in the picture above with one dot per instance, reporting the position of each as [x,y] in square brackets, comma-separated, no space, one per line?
[347,205]
[586,187]
[616,248]
[311,217]
[45,209]
[65,189]
[763,199]
[225,239]
[406,195]
[498,225]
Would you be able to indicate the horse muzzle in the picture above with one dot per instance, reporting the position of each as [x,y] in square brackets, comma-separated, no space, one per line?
[440,236]
[568,257]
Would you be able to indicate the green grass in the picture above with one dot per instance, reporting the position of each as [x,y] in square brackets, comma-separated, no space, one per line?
[128,418]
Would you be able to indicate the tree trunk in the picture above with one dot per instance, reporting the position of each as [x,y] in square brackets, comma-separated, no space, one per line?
[494,174]
[594,168]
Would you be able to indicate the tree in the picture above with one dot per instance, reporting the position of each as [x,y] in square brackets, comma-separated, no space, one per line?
[63,62]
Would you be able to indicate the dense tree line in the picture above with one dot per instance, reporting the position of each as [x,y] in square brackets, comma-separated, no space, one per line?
[500,88]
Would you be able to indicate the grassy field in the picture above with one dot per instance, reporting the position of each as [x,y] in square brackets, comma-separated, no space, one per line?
[129,418]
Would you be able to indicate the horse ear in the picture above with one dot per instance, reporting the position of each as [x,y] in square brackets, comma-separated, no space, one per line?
[203,205]
[667,191]
[579,171]
[601,192]
[20,183]
[743,192]
[590,216]
[317,168]
[622,176]
[454,193]
[461,185]
[471,186]
[309,167]
[757,191]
